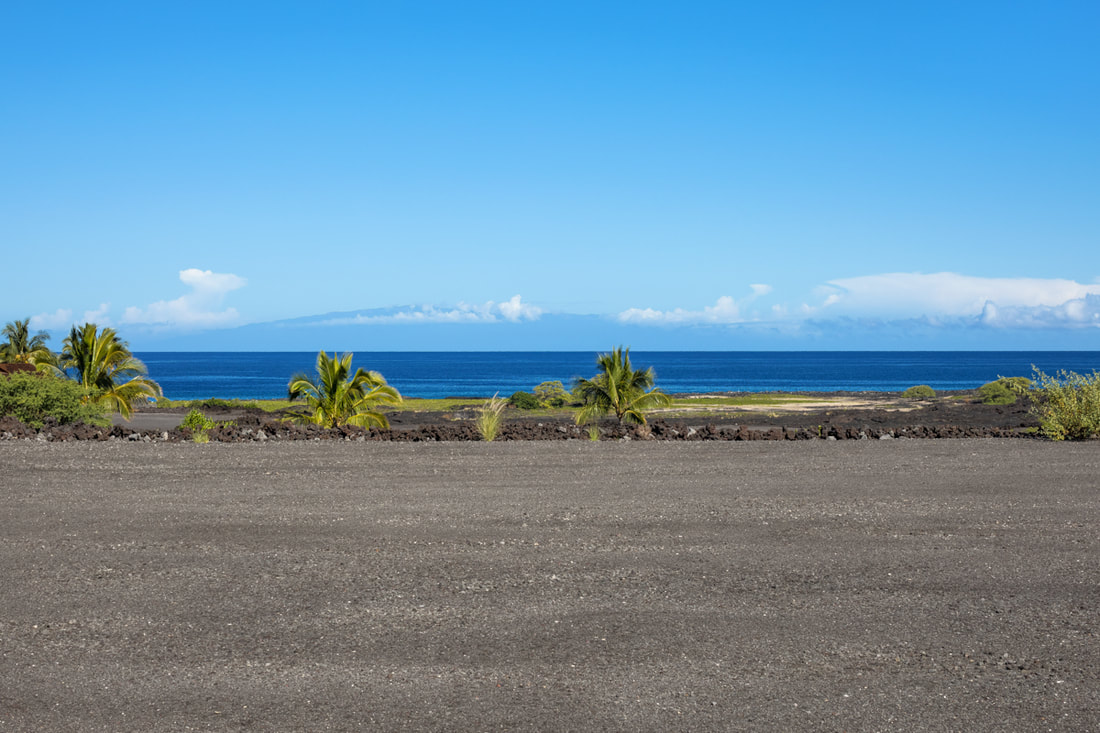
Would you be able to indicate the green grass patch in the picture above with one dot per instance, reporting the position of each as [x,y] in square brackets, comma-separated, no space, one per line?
[472,404]
[215,402]
[445,404]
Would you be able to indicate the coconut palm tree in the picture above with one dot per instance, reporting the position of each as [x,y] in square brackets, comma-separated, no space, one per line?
[104,365]
[619,388]
[21,347]
[336,396]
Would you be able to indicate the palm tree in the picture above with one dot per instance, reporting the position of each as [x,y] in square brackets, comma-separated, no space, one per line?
[336,396]
[619,388]
[109,372]
[21,347]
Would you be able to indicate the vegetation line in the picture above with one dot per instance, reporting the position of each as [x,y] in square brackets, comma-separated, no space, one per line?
[95,373]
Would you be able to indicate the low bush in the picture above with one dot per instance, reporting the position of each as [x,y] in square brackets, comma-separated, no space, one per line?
[996,393]
[1004,390]
[196,420]
[1016,384]
[33,398]
[199,425]
[524,401]
[552,394]
[919,392]
[1067,405]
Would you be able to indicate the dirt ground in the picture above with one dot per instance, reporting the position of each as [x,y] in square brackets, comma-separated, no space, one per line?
[907,585]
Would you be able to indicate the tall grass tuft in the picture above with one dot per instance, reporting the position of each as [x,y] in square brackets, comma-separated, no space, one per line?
[1067,404]
[488,417]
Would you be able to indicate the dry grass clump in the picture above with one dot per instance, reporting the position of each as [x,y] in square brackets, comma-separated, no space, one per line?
[488,417]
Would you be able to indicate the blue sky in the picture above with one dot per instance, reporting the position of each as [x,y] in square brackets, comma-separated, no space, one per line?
[705,175]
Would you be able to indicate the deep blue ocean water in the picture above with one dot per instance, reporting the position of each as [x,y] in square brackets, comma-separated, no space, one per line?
[264,375]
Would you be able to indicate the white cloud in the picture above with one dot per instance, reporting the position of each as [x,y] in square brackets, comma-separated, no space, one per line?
[60,318]
[724,310]
[513,310]
[1076,313]
[99,315]
[200,307]
[213,283]
[759,289]
[63,318]
[948,294]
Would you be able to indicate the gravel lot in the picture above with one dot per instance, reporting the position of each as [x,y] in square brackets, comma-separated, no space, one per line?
[870,585]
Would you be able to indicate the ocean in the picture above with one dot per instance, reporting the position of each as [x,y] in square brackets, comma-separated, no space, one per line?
[264,375]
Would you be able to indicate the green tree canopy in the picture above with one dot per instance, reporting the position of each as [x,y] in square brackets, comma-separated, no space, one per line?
[619,389]
[336,396]
[106,368]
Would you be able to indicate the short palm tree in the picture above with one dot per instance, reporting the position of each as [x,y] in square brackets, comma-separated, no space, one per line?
[619,388]
[336,396]
[106,368]
[22,348]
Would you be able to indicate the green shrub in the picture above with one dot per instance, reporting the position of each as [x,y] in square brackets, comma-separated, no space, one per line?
[488,418]
[919,392]
[1016,384]
[1067,405]
[996,393]
[199,424]
[524,401]
[196,420]
[552,394]
[32,398]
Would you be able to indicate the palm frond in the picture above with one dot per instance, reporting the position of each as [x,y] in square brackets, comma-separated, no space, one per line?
[619,389]
[20,346]
[104,365]
[337,397]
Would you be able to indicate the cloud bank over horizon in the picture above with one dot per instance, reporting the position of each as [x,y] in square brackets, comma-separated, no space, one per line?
[942,308]
[944,298]
[997,302]
[725,310]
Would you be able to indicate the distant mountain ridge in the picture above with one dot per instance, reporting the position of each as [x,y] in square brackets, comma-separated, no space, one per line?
[435,328]
[378,331]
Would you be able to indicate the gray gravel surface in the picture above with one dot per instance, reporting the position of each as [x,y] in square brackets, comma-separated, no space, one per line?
[873,585]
